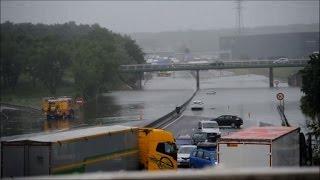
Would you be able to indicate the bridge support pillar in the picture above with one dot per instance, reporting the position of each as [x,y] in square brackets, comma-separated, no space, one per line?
[140,76]
[198,81]
[271,77]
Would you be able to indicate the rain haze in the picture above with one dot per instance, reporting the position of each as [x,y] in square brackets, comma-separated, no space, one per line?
[158,16]
[236,80]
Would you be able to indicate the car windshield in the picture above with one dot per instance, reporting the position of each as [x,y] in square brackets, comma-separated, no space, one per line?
[199,136]
[183,141]
[186,149]
[197,102]
[210,125]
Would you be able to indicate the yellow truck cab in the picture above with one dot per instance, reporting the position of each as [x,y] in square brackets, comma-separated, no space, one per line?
[157,149]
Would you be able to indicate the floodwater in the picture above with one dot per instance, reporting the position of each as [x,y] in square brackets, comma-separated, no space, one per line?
[159,96]
[136,107]
[247,96]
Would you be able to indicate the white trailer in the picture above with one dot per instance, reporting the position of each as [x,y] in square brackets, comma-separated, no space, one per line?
[260,147]
[81,150]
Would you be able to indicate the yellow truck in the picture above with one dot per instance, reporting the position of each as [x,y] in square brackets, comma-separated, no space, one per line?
[58,108]
[102,148]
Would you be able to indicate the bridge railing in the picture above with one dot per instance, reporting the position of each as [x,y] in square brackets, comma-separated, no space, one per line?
[214,65]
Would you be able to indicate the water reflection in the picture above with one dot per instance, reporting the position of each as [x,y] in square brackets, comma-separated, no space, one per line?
[98,107]
[15,121]
[60,124]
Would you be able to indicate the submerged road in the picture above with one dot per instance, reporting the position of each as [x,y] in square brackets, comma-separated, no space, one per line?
[247,96]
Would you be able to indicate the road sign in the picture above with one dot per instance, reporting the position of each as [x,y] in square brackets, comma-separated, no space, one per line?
[280,96]
[80,101]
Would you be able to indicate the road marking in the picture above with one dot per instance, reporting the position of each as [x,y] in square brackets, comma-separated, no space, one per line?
[172,122]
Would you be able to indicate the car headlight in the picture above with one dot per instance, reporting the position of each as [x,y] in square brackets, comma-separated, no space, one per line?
[216,163]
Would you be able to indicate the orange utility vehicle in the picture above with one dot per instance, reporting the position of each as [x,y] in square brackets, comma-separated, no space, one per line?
[58,108]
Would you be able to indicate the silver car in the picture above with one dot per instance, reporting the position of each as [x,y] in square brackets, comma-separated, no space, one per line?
[184,155]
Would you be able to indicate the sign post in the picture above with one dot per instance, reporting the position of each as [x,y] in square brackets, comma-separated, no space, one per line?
[280,97]
[276,82]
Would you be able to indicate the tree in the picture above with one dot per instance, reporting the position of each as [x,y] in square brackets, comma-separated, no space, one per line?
[89,55]
[133,50]
[310,102]
[12,55]
[51,62]
[311,87]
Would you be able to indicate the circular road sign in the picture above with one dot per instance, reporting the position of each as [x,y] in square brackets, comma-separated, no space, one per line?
[80,101]
[280,96]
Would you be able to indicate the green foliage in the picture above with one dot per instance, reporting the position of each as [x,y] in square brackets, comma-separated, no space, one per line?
[310,102]
[311,87]
[91,55]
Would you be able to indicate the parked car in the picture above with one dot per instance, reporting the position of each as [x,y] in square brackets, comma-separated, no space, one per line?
[184,140]
[229,120]
[197,105]
[281,61]
[184,155]
[200,158]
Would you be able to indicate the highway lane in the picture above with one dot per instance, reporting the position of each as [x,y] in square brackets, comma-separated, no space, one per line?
[187,125]
[248,97]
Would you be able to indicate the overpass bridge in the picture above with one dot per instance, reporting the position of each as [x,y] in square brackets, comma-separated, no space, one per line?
[140,68]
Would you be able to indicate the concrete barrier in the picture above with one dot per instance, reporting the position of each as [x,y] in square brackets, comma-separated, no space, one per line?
[286,173]
[171,115]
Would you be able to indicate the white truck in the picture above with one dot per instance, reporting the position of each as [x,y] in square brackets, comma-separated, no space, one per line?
[102,148]
[260,147]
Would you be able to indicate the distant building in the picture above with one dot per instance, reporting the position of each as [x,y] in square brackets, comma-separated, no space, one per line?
[290,45]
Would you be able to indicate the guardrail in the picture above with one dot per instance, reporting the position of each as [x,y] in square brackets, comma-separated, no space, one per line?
[214,65]
[20,107]
[171,115]
[283,173]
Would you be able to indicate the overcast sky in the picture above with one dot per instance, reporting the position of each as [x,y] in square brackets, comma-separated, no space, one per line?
[156,16]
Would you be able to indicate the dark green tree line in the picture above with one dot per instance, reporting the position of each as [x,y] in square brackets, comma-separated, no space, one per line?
[45,53]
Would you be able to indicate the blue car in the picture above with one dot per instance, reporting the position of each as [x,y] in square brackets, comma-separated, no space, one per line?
[203,157]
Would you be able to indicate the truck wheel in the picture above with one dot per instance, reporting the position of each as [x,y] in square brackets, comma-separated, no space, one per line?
[233,125]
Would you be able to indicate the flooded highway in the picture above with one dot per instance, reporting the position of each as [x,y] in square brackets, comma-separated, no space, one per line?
[159,96]
[247,96]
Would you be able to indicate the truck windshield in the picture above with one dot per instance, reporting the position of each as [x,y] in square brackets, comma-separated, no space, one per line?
[168,148]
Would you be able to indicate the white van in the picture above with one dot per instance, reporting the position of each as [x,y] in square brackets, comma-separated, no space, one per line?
[209,127]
